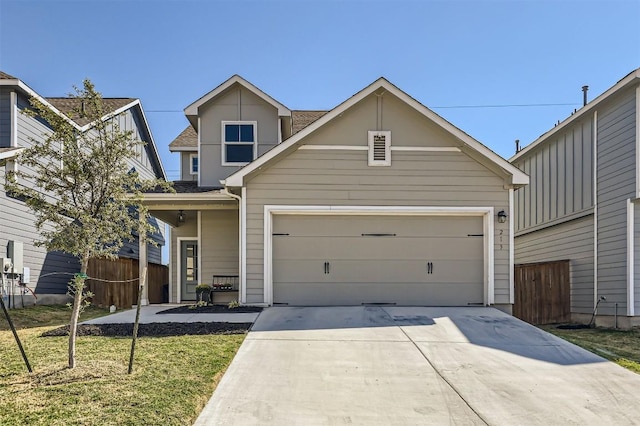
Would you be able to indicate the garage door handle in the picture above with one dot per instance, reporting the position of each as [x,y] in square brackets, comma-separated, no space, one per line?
[429,267]
[326,267]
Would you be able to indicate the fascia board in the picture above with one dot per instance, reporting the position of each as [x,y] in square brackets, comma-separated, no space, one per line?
[192,110]
[622,84]
[184,149]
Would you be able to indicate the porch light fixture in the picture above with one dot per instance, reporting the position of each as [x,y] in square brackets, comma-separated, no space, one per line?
[181,217]
[502,216]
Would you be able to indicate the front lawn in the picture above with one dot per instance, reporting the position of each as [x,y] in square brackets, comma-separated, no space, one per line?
[619,346]
[173,376]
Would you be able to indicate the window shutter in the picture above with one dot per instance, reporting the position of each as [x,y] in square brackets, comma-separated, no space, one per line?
[379,148]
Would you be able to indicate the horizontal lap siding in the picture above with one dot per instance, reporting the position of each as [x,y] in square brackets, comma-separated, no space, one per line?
[616,183]
[219,244]
[312,177]
[571,240]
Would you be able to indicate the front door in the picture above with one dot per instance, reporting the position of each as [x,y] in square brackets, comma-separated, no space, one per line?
[188,269]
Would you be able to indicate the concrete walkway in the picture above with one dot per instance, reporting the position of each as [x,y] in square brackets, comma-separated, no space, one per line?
[409,366]
[150,314]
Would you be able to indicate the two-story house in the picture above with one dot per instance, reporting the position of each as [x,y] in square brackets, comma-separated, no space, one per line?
[582,204]
[48,273]
[378,200]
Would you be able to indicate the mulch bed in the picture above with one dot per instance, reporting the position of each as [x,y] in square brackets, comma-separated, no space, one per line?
[154,329]
[210,309]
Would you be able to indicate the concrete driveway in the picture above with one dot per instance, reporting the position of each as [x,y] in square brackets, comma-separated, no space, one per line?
[415,366]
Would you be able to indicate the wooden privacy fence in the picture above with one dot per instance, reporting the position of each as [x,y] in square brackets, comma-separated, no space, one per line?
[120,285]
[543,292]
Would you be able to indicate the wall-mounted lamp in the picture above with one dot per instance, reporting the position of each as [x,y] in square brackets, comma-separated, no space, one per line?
[181,217]
[502,216]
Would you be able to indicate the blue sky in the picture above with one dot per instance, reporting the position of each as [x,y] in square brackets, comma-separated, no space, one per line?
[466,60]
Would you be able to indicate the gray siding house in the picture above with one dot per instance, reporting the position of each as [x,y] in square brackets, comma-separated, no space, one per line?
[378,200]
[50,271]
[582,203]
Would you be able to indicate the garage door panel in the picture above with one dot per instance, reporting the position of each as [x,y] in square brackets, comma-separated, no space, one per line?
[408,294]
[418,260]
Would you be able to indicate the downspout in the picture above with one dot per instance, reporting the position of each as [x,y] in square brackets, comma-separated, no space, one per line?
[241,266]
[595,209]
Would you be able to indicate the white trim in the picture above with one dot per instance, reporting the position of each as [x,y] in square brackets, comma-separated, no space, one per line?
[152,141]
[243,246]
[191,157]
[595,209]
[192,110]
[366,148]
[279,130]
[179,264]
[426,148]
[630,259]
[371,135]
[224,143]
[485,212]
[14,119]
[199,154]
[626,81]
[638,142]
[517,176]
[333,148]
[200,251]
[170,265]
[184,148]
[10,154]
[511,220]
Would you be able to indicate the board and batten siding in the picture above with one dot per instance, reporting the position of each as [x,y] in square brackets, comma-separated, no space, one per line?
[616,184]
[237,104]
[571,240]
[185,166]
[561,172]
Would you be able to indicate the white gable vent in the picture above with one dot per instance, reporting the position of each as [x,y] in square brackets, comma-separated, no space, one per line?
[379,147]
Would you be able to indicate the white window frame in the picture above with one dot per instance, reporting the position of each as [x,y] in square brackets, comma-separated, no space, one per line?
[371,134]
[224,142]
[191,157]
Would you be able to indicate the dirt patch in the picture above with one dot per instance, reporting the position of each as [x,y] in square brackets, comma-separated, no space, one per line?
[154,329]
[211,309]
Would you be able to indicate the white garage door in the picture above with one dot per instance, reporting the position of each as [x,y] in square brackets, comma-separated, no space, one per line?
[350,260]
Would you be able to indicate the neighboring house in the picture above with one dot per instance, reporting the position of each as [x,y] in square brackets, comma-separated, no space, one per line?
[379,200]
[50,271]
[582,203]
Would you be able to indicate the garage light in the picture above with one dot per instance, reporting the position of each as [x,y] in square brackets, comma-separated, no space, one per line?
[502,216]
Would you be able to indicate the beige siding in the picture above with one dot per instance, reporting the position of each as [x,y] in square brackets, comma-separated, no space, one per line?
[237,104]
[185,166]
[334,177]
[616,183]
[571,240]
[219,244]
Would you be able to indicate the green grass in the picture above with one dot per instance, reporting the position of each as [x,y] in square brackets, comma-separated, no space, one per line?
[173,376]
[40,316]
[619,346]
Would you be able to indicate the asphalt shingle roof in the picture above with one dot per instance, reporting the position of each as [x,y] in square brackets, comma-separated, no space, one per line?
[5,76]
[69,106]
[187,139]
[302,119]
[187,187]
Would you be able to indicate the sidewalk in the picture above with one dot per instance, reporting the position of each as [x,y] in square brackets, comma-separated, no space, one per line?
[149,314]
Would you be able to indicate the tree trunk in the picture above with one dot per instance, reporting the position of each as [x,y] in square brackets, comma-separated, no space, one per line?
[78,289]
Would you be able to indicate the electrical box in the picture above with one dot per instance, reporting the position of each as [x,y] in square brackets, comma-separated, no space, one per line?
[5,264]
[15,251]
[26,275]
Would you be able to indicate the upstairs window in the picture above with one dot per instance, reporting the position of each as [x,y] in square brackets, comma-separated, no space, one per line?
[193,164]
[239,144]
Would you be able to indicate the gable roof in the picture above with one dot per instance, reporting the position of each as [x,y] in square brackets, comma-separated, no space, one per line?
[630,79]
[517,177]
[301,119]
[63,106]
[192,110]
